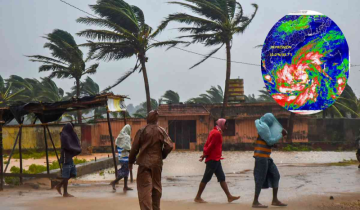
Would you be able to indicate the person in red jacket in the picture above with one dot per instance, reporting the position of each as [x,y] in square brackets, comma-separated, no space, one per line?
[213,152]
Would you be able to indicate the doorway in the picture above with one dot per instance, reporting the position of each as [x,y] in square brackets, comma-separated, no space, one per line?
[182,132]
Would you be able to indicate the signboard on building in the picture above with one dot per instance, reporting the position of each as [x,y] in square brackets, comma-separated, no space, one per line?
[236,91]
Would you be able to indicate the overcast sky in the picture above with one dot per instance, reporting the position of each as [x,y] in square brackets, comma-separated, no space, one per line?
[23,22]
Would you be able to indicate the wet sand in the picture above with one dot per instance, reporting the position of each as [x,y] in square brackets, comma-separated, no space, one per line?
[306,183]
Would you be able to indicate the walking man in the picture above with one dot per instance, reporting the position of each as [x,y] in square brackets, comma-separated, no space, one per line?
[123,145]
[151,145]
[266,173]
[70,147]
[213,152]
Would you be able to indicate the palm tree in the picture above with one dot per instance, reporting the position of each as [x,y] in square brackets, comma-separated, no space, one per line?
[251,99]
[66,61]
[32,88]
[347,103]
[128,36]
[219,20]
[8,93]
[213,96]
[142,112]
[50,91]
[265,96]
[171,97]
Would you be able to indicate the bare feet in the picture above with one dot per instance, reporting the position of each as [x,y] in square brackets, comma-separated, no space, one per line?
[233,198]
[199,200]
[67,195]
[127,188]
[113,185]
[259,205]
[58,188]
[278,203]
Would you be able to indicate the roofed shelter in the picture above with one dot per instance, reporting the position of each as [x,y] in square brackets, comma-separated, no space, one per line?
[50,112]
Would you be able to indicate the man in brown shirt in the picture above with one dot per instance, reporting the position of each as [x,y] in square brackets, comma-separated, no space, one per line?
[152,145]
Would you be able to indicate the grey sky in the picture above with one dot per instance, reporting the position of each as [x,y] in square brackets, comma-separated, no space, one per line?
[23,22]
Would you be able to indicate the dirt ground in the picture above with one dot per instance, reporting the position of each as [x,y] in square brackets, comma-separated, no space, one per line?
[307,182]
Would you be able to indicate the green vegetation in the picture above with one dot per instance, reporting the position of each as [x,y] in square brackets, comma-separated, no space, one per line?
[215,24]
[36,169]
[33,154]
[296,147]
[295,25]
[345,163]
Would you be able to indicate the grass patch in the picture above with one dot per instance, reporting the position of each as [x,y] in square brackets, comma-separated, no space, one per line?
[101,173]
[290,148]
[33,154]
[36,169]
[345,163]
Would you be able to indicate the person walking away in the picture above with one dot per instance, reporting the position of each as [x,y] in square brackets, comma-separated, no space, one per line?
[70,147]
[213,152]
[151,145]
[358,150]
[266,173]
[123,145]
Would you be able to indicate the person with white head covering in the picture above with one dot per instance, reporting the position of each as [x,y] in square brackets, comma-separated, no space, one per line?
[266,173]
[123,145]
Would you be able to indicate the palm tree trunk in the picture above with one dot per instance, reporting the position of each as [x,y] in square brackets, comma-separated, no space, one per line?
[146,82]
[228,73]
[78,96]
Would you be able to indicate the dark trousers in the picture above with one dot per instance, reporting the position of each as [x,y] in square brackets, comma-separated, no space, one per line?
[266,174]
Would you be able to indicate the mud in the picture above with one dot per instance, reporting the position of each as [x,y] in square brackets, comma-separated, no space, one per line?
[306,183]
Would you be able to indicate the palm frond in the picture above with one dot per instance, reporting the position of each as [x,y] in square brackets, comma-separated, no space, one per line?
[208,56]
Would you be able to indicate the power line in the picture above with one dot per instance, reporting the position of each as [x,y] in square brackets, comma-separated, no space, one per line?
[189,51]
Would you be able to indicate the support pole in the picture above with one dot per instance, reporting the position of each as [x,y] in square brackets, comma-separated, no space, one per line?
[124,118]
[291,127]
[52,142]
[1,159]
[112,143]
[46,151]
[13,149]
[20,153]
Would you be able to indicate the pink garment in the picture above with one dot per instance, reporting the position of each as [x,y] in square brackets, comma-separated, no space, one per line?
[221,123]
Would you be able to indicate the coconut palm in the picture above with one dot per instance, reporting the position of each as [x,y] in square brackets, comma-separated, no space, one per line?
[347,103]
[128,35]
[171,97]
[32,88]
[66,61]
[213,96]
[265,96]
[216,25]
[8,93]
[142,112]
[50,91]
[251,99]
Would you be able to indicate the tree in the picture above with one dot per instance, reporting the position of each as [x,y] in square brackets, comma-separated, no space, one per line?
[265,96]
[219,20]
[251,99]
[8,93]
[213,96]
[50,91]
[128,36]
[142,112]
[171,97]
[32,88]
[66,61]
[347,103]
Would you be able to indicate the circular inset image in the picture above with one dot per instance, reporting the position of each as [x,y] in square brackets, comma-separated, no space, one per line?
[305,62]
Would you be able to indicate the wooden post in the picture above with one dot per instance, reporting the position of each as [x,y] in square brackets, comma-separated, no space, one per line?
[20,153]
[125,118]
[112,143]
[52,142]
[12,151]
[1,158]
[47,152]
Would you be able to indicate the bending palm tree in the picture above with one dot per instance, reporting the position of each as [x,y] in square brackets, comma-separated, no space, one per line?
[219,20]
[346,103]
[66,61]
[128,36]
[213,96]
[171,97]
[8,93]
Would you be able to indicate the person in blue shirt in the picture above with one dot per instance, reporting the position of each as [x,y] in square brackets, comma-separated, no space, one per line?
[123,145]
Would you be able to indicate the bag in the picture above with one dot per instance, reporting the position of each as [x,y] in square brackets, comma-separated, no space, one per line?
[167,143]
